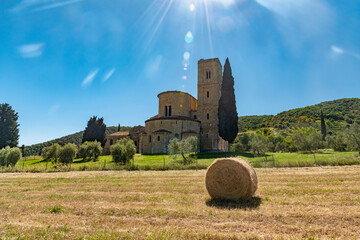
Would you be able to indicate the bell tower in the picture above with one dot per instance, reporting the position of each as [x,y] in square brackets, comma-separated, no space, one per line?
[209,90]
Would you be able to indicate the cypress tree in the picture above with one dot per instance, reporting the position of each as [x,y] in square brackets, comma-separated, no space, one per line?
[119,129]
[323,125]
[95,130]
[9,131]
[228,118]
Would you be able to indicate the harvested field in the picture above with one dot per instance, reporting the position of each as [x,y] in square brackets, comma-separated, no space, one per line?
[296,203]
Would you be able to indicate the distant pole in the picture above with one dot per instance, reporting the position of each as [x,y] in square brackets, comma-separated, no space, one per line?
[104,165]
[314,157]
[23,164]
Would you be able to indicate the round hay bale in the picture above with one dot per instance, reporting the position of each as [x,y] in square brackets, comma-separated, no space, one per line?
[231,178]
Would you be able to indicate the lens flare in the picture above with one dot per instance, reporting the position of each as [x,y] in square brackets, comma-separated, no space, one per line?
[186,56]
[189,37]
[192,7]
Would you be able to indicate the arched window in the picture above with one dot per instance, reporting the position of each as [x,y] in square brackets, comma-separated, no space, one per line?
[149,138]
[111,142]
[207,116]
[169,111]
[208,94]
[158,138]
[166,111]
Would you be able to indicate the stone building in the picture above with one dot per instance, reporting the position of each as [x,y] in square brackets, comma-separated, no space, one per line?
[180,115]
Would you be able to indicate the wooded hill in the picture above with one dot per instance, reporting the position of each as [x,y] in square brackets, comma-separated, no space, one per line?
[338,114]
[75,138]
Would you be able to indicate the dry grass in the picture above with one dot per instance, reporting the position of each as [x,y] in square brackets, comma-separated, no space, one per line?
[292,203]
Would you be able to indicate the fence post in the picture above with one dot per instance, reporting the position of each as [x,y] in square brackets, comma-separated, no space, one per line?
[196,162]
[273,160]
[164,163]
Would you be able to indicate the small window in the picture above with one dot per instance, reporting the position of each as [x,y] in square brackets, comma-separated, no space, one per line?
[169,111]
[166,111]
[158,138]
[207,135]
[111,142]
[135,143]
[208,74]
[195,117]
[177,135]
[149,138]
[207,116]
[208,94]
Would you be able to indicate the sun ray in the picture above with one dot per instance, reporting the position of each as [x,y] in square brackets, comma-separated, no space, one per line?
[208,27]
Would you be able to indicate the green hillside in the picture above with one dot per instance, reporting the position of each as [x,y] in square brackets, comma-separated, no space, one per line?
[75,138]
[253,122]
[338,114]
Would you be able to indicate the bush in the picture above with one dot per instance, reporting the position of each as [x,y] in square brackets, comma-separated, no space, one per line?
[51,153]
[123,151]
[241,143]
[9,156]
[90,150]
[67,153]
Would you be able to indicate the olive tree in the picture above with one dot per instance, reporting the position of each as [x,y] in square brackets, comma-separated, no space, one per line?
[67,153]
[259,144]
[9,156]
[51,153]
[90,150]
[123,151]
[183,147]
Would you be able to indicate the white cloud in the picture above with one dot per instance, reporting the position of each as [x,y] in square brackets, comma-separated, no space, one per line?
[337,49]
[301,21]
[90,77]
[53,109]
[31,50]
[109,74]
[154,65]
[55,5]
[39,5]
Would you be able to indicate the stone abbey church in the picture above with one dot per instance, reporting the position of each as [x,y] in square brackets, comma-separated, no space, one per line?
[180,115]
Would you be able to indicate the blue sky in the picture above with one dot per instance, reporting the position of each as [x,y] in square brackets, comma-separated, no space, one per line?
[63,61]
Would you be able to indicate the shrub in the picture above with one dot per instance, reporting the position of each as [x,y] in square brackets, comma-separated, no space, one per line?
[9,156]
[90,150]
[67,153]
[123,151]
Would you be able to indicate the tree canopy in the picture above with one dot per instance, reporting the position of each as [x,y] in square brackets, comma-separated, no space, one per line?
[95,130]
[9,131]
[228,118]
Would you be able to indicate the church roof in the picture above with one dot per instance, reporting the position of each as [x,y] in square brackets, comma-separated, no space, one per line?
[172,118]
[179,92]
[120,134]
